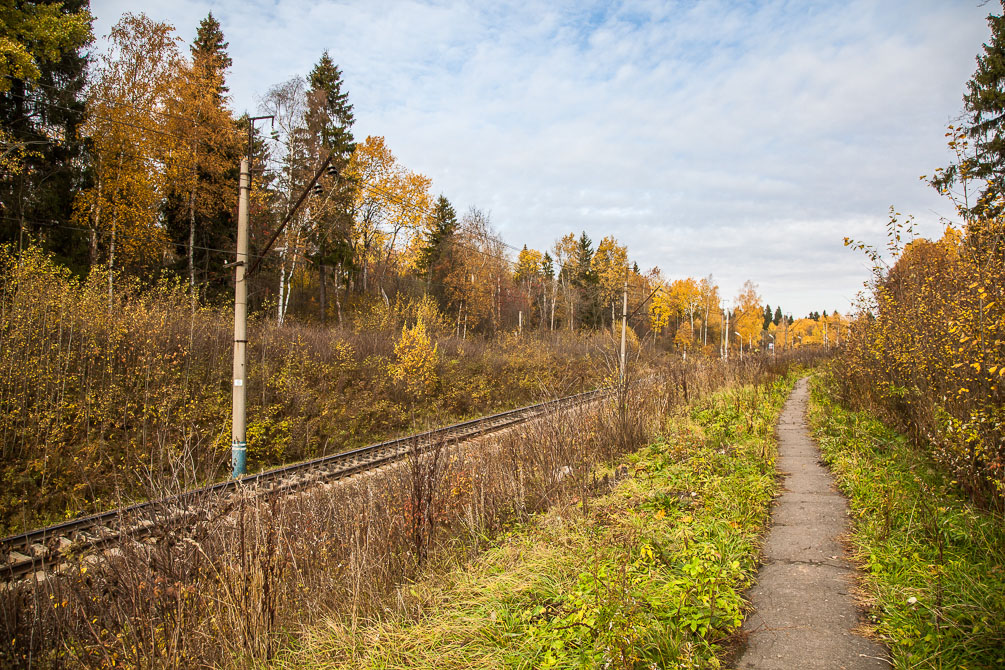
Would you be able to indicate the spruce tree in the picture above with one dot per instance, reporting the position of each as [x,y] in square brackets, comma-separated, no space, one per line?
[587,282]
[548,266]
[778,316]
[329,120]
[584,261]
[436,257]
[984,124]
[209,52]
[329,113]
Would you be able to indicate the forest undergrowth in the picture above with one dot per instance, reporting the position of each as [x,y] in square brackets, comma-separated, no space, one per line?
[934,560]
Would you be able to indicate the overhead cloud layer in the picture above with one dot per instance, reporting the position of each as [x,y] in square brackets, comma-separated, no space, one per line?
[743,140]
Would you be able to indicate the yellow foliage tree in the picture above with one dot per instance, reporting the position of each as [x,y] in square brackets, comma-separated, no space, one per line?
[389,210]
[686,297]
[415,360]
[749,314]
[610,263]
[126,130]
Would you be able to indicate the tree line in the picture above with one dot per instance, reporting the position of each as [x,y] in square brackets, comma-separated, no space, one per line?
[127,163]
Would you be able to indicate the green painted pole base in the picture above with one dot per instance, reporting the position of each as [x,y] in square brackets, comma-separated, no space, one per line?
[239,458]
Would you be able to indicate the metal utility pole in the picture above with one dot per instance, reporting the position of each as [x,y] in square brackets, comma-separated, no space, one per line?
[239,443]
[624,328]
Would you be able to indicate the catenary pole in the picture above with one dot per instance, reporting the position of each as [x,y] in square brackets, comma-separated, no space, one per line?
[239,443]
[624,328]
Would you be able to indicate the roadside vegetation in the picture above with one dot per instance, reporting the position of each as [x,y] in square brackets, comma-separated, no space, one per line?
[648,574]
[926,355]
[934,559]
[927,349]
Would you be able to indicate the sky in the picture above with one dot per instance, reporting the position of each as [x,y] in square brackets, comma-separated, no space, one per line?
[741,139]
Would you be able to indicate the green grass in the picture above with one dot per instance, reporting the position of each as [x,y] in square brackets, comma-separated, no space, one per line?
[649,573]
[935,565]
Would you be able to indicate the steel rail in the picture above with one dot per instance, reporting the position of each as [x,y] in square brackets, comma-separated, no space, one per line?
[42,549]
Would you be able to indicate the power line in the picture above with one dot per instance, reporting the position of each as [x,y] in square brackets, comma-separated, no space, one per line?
[118,233]
[107,101]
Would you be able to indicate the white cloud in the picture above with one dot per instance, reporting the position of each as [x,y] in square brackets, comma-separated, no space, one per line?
[743,140]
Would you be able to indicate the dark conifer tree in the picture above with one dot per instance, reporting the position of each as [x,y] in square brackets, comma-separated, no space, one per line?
[329,126]
[587,282]
[42,116]
[209,51]
[984,108]
[436,257]
[548,266]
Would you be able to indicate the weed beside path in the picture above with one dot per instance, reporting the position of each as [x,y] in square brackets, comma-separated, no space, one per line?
[650,573]
[935,564]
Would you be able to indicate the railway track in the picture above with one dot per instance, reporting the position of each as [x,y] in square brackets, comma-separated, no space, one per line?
[44,549]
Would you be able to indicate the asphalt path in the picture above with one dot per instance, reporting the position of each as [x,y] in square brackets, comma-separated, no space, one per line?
[804,614]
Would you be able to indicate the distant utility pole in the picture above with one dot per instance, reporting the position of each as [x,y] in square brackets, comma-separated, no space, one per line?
[239,443]
[726,337]
[624,328]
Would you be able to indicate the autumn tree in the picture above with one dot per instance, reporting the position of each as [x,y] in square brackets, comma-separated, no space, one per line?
[287,103]
[610,263]
[126,133]
[390,211]
[566,256]
[711,310]
[479,274]
[685,297]
[749,314]
[661,306]
[204,150]
[529,276]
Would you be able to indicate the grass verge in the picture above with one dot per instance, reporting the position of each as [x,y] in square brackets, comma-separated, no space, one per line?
[650,572]
[935,565]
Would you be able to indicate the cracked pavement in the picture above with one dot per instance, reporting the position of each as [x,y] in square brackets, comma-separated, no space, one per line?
[804,614]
